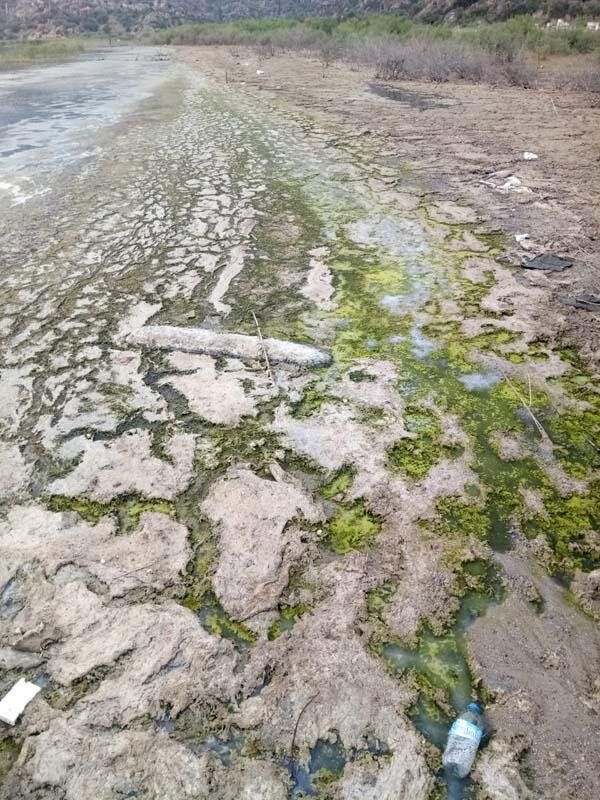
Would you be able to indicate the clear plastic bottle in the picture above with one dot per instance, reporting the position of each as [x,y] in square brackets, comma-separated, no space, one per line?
[463,741]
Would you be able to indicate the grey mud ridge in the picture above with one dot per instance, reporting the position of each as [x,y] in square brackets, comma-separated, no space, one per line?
[240,582]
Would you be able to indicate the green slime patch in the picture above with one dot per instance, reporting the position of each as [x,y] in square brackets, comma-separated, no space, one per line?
[415,457]
[215,619]
[127,509]
[353,527]
[340,483]
[287,619]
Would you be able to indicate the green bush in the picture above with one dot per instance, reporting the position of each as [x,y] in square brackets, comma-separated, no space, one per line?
[23,53]
[504,39]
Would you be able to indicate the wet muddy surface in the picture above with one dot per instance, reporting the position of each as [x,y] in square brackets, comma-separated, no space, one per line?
[50,116]
[419,100]
[291,464]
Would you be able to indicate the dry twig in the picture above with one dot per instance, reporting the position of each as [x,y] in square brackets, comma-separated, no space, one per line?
[303,709]
[527,406]
[264,349]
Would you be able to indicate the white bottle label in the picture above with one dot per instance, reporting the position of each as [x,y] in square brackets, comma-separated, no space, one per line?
[467,730]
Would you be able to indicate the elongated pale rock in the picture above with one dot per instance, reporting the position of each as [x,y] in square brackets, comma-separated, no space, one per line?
[13,704]
[238,345]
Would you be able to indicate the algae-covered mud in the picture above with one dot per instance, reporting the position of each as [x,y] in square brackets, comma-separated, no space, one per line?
[276,564]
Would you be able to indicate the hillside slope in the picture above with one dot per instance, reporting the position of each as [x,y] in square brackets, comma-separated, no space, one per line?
[43,17]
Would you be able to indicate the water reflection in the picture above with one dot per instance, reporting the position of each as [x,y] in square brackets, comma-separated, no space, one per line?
[50,115]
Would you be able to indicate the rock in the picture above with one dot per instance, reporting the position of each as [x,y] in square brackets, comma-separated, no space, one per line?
[237,345]
[257,547]
[126,465]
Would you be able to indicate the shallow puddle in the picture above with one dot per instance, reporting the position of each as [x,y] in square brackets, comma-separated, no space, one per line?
[419,100]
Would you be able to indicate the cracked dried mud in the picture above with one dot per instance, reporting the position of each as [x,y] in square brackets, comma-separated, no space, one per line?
[241,579]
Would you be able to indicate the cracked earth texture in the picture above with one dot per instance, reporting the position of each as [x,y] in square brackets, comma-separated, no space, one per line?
[221,569]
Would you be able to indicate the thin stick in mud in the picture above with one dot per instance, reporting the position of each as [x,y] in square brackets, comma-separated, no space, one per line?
[541,430]
[264,349]
[302,710]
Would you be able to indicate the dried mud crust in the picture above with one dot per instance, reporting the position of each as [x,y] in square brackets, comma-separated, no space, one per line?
[221,572]
[454,144]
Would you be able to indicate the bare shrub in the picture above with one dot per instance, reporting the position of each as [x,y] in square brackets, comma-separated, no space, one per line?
[518,72]
[587,80]
[442,61]
[508,64]
[329,51]
[301,37]
[265,51]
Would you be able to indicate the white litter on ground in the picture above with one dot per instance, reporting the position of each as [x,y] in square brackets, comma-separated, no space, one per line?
[527,156]
[524,240]
[13,704]
[505,182]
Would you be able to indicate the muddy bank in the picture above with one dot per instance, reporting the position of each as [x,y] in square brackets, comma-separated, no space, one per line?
[455,137]
[235,577]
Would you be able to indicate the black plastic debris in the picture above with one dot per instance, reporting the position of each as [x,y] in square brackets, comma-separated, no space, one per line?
[588,302]
[546,261]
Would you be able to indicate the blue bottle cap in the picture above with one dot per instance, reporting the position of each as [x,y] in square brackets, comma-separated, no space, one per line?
[475,707]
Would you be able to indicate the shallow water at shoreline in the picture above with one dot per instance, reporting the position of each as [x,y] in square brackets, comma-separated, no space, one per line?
[50,115]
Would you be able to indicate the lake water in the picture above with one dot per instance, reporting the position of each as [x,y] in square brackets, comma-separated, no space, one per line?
[50,115]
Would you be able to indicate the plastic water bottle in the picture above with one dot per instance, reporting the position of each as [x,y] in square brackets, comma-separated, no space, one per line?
[463,741]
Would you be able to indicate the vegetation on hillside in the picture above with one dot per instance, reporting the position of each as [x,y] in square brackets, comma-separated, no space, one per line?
[400,48]
[518,33]
[19,18]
